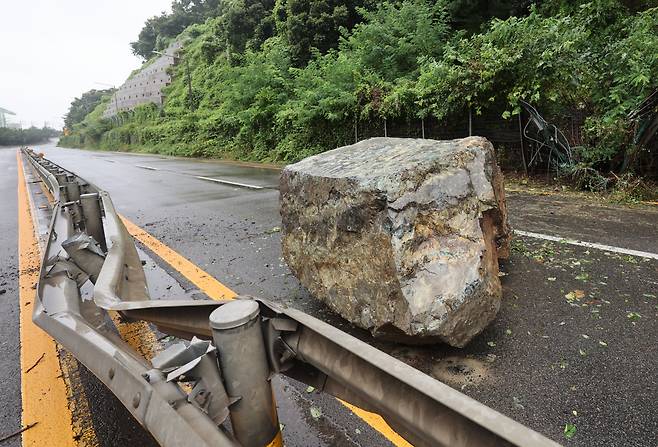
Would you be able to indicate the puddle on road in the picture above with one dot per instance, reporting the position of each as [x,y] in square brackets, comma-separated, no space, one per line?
[452,369]
[459,371]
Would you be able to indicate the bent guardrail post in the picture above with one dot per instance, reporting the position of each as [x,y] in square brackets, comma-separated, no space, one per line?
[237,333]
[91,210]
[156,403]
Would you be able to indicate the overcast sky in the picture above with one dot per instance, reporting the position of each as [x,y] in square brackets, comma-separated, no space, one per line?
[54,50]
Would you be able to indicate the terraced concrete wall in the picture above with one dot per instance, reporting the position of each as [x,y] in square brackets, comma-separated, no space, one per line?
[145,86]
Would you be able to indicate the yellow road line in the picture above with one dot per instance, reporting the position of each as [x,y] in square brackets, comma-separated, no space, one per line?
[216,290]
[203,280]
[44,395]
[81,421]
[378,423]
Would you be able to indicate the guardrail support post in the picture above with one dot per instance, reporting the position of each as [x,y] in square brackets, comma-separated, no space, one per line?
[61,177]
[238,336]
[63,194]
[91,212]
[72,191]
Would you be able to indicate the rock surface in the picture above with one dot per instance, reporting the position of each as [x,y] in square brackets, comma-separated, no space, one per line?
[400,236]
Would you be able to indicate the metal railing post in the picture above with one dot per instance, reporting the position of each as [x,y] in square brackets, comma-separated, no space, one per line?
[63,194]
[238,336]
[91,211]
[72,191]
[61,178]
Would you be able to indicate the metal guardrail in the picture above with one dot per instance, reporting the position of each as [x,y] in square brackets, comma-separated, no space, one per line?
[251,340]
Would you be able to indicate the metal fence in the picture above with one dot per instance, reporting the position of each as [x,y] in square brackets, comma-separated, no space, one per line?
[513,149]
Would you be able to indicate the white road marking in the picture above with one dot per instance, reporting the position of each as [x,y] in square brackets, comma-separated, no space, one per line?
[147,167]
[227,182]
[564,240]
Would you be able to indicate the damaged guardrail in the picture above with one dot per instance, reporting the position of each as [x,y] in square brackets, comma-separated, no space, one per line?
[236,346]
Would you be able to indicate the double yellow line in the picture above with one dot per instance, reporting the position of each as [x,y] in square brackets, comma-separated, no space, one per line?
[45,395]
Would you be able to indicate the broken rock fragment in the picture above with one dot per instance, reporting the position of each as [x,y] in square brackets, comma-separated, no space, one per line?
[400,236]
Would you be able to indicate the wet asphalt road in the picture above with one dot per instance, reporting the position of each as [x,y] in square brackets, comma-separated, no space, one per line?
[10,374]
[545,361]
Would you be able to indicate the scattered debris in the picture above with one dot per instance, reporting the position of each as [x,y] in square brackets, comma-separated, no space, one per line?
[35,363]
[310,389]
[316,413]
[517,403]
[273,230]
[18,432]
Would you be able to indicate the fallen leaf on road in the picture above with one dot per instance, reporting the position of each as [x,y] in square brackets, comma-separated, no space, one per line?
[633,316]
[316,412]
[575,295]
[569,431]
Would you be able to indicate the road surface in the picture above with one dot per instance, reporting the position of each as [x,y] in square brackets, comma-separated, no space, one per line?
[546,361]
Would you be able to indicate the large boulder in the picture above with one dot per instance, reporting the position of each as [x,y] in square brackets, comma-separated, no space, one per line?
[400,236]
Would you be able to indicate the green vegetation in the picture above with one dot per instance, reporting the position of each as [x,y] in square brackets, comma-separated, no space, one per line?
[21,137]
[83,106]
[278,80]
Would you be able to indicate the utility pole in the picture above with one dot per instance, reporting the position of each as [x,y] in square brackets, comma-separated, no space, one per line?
[189,83]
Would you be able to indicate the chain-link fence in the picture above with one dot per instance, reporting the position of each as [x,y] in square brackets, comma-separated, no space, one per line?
[514,150]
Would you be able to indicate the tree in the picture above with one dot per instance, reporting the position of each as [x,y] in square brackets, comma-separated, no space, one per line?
[82,106]
[159,30]
[316,25]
